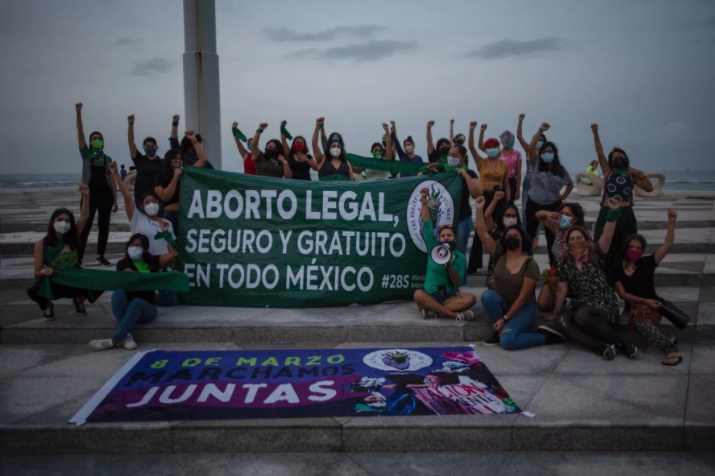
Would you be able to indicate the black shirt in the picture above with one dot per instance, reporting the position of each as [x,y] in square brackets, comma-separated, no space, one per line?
[163,181]
[300,170]
[642,282]
[188,157]
[153,262]
[147,170]
[465,210]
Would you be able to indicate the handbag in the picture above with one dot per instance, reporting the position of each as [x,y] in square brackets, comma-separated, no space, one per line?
[646,313]
[674,315]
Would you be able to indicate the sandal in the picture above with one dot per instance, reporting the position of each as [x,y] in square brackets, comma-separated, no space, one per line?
[670,357]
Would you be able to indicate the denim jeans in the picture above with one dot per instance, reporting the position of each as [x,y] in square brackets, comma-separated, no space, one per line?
[464,230]
[129,313]
[167,298]
[525,198]
[513,334]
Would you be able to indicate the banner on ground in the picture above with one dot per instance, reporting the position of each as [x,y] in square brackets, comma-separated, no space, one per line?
[251,241]
[209,385]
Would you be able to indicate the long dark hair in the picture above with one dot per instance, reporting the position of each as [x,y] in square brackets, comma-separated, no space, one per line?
[167,168]
[577,211]
[188,146]
[618,149]
[499,215]
[627,244]
[145,246]
[441,142]
[525,239]
[554,166]
[305,150]
[331,138]
[71,237]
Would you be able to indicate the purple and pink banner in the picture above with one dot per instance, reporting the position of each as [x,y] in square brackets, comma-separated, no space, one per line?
[215,385]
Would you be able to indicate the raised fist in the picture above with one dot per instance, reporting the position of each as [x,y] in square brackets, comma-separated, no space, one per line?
[234,125]
[263,126]
[479,202]
[522,116]
[130,119]
[672,215]
[78,107]
[545,126]
[594,128]
[430,124]
[484,127]
[284,122]
[176,118]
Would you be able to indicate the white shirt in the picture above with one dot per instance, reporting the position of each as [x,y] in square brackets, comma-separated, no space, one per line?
[141,223]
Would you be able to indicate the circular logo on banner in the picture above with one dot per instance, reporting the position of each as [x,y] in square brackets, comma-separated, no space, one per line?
[441,209]
[397,359]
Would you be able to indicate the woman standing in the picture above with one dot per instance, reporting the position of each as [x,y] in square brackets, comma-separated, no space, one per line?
[191,157]
[620,179]
[130,308]
[530,152]
[513,161]
[102,189]
[168,186]
[408,153]
[592,316]
[299,159]
[336,165]
[548,177]
[147,166]
[437,154]
[272,162]
[58,250]
[249,166]
[511,306]
[635,283]
[493,175]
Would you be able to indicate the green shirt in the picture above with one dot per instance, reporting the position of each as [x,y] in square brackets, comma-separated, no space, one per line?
[437,273]
[266,168]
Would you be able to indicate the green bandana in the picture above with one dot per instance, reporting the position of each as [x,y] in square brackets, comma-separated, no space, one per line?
[67,260]
[392,166]
[141,266]
[614,215]
[285,132]
[114,280]
[378,155]
[166,235]
[334,178]
[238,134]
[620,172]
[449,168]
[54,251]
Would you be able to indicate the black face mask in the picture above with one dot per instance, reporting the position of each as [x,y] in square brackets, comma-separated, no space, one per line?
[512,243]
[620,163]
[444,150]
[459,142]
[271,153]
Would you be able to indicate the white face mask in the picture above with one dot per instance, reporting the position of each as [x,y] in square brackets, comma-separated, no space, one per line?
[62,226]
[454,161]
[135,252]
[509,222]
[151,209]
[335,151]
[409,149]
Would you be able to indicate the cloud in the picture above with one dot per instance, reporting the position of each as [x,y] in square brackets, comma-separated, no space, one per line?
[283,34]
[307,53]
[504,48]
[126,41]
[672,129]
[152,67]
[359,52]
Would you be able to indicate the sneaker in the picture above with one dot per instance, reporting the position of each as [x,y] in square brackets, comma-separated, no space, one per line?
[609,352]
[493,340]
[427,314]
[101,344]
[552,336]
[464,316]
[102,261]
[129,343]
[49,313]
[629,349]
[79,308]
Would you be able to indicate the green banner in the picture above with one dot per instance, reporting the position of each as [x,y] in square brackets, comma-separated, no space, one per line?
[113,280]
[392,166]
[249,241]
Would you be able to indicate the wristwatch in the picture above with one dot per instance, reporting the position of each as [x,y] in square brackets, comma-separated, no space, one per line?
[506,319]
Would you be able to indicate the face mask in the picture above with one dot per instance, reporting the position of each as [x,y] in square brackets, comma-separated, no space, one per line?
[492,153]
[547,157]
[444,150]
[509,221]
[248,147]
[97,143]
[335,151]
[135,252]
[580,254]
[458,141]
[150,151]
[378,154]
[539,144]
[177,164]
[62,227]
[450,243]
[409,149]
[512,243]
[151,209]
[564,222]
[634,255]
[620,163]
[384,144]
[454,161]
[271,153]
[507,141]
[298,147]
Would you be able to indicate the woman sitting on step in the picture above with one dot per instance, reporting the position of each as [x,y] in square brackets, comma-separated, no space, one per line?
[130,308]
[511,306]
[498,217]
[58,250]
[634,277]
[592,317]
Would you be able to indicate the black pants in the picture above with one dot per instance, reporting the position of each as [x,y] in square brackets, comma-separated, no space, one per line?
[59,291]
[101,204]
[475,254]
[173,217]
[588,327]
[512,188]
[532,223]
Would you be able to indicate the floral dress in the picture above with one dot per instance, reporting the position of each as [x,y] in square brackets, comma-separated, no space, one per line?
[589,287]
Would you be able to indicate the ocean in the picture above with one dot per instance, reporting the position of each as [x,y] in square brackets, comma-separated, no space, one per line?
[679,180]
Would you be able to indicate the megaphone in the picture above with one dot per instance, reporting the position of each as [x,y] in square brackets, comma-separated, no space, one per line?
[441,254]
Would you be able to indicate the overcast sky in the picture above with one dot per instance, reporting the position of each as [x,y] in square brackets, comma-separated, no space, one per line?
[643,69]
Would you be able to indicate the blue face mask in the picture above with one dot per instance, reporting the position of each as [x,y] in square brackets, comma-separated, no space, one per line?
[492,152]
[384,144]
[539,144]
[564,222]
[547,157]
[248,146]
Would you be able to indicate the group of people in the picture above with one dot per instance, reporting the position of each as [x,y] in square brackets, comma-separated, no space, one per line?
[584,269]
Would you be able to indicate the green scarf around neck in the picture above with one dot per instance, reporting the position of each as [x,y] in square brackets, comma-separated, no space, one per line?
[54,251]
